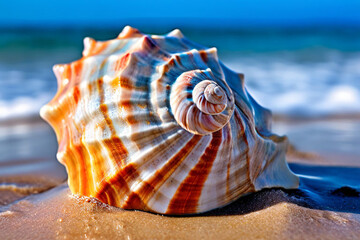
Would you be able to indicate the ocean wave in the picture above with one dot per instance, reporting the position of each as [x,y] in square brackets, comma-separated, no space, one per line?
[337,100]
[22,107]
[298,83]
[288,86]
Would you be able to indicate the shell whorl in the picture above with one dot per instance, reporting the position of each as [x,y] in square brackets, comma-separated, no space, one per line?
[158,123]
[209,97]
[201,104]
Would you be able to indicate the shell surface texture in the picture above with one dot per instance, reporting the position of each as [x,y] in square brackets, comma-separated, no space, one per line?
[158,123]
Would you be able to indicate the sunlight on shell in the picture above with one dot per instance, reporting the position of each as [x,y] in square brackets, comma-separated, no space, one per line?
[158,123]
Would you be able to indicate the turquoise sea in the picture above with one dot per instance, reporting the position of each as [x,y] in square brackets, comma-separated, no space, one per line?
[304,71]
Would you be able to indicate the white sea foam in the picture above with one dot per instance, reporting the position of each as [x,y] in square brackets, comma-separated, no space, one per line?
[22,107]
[290,87]
[287,83]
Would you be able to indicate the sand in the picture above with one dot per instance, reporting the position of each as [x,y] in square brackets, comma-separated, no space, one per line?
[36,203]
[58,214]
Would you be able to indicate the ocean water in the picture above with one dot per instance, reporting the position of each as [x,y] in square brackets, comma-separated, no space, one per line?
[307,72]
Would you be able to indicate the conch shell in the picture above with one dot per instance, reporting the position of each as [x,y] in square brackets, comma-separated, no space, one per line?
[158,123]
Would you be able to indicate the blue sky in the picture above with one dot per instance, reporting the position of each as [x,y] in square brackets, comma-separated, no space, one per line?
[186,12]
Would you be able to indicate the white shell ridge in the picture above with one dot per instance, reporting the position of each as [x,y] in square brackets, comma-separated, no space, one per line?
[158,123]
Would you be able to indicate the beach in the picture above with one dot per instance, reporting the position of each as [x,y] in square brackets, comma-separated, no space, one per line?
[308,78]
[36,203]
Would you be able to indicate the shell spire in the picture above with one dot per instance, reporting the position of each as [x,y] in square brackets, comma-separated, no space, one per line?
[158,123]
[209,108]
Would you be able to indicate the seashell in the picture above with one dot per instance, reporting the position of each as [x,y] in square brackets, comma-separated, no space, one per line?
[158,123]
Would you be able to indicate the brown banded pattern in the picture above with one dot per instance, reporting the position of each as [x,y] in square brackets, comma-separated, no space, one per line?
[158,123]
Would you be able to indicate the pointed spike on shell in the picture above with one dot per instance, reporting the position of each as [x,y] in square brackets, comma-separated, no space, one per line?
[145,44]
[175,33]
[59,71]
[242,79]
[241,76]
[129,32]
[213,52]
[89,44]
[62,73]
[43,112]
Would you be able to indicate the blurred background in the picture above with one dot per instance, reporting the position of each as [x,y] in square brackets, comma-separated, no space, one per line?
[301,59]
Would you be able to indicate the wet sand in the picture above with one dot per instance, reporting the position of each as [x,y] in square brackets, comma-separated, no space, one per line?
[27,159]
[269,214]
[35,201]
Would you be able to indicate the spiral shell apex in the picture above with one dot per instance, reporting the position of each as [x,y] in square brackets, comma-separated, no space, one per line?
[209,108]
[158,123]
